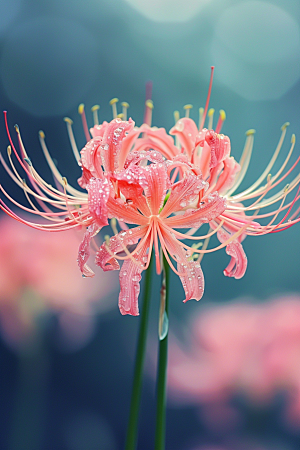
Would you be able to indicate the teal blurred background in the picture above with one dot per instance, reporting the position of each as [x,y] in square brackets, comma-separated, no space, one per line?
[72,394]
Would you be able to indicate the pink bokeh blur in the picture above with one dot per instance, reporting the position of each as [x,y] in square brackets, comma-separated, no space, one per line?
[242,347]
[39,275]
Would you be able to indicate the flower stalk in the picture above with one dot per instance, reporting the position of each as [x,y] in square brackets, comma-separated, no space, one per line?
[132,430]
[162,361]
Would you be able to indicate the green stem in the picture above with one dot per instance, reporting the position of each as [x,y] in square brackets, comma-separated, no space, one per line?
[162,368]
[131,439]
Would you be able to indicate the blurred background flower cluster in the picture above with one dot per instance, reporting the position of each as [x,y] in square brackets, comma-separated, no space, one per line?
[66,353]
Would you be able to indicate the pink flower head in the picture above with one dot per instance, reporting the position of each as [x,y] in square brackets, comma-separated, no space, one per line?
[240,347]
[38,275]
[151,186]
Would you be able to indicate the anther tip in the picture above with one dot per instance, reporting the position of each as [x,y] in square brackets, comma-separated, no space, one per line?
[285,125]
[201,110]
[210,112]
[120,116]
[9,150]
[189,106]
[125,104]
[113,101]
[293,139]
[68,120]
[95,108]
[222,114]
[250,132]
[149,104]
[17,128]
[81,108]
[176,116]
[42,134]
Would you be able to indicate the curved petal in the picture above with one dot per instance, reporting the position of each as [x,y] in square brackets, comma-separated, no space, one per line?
[113,136]
[130,277]
[187,131]
[158,139]
[98,130]
[84,250]
[183,193]
[98,194]
[191,274]
[227,178]
[212,206]
[117,243]
[124,212]
[127,145]
[219,145]
[91,157]
[155,182]
[238,263]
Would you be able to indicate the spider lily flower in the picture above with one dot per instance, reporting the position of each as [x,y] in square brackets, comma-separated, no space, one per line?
[141,176]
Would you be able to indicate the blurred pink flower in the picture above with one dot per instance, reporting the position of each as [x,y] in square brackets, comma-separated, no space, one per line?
[241,347]
[38,273]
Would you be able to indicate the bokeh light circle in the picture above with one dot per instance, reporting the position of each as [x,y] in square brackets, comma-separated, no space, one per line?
[168,10]
[48,65]
[256,48]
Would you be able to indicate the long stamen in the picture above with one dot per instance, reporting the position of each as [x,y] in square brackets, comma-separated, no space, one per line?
[201,112]
[113,102]
[210,115]
[221,120]
[69,123]
[195,238]
[53,167]
[156,250]
[164,249]
[95,110]
[187,109]
[244,161]
[269,166]
[125,106]
[207,99]
[148,112]
[81,111]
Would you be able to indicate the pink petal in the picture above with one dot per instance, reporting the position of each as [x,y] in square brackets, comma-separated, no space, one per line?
[98,130]
[187,131]
[117,244]
[238,263]
[91,157]
[113,136]
[183,193]
[157,139]
[130,277]
[126,146]
[155,182]
[227,177]
[85,178]
[134,158]
[219,145]
[192,278]
[213,206]
[98,194]
[84,250]
[124,212]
